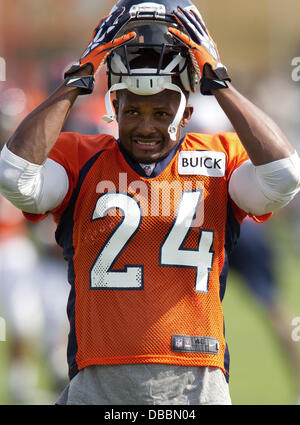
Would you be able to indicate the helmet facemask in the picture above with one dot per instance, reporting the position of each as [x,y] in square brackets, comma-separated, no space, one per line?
[169,66]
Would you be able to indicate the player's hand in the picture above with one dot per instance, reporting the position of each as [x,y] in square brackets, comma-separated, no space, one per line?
[203,50]
[103,42]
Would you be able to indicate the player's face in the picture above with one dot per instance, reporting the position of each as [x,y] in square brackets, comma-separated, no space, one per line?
[144,121]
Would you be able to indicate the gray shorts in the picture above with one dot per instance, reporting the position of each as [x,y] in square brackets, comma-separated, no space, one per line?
[147,384]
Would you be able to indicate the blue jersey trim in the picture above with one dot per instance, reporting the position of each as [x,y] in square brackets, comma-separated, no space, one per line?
[232,233]
[64,238]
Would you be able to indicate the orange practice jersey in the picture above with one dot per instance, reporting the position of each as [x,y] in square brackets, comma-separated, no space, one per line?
[147,254]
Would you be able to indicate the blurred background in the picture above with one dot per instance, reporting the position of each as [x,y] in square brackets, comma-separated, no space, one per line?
[258,42]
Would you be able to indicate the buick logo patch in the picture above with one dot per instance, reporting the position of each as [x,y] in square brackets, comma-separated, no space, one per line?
[202,163]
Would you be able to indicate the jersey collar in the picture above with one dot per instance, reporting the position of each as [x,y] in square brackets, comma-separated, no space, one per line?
[160,166]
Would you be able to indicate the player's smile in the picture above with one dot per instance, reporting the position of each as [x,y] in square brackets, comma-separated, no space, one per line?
[144,121]
[146,143]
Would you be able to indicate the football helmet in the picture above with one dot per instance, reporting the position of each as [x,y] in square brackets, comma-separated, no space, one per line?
[169,65]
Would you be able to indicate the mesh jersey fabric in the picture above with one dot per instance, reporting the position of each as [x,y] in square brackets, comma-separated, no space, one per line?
[142,282]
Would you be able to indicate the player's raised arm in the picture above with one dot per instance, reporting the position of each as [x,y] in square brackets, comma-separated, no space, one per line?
[271,178]
[261,137]
[28,179]
[37,134]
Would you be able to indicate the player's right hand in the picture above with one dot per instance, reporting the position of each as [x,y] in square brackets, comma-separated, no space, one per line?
[103,42]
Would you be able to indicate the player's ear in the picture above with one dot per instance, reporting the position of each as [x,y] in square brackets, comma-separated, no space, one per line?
[187,115]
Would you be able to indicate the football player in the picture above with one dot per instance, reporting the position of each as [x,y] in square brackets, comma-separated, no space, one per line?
[145,221]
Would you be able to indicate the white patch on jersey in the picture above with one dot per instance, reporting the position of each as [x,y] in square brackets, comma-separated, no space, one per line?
[202,163]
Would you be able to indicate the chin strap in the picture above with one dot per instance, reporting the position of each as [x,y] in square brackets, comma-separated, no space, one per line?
[174,125]
[110,116]
[145,85]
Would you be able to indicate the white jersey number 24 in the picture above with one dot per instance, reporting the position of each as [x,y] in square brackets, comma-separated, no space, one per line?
[172,253]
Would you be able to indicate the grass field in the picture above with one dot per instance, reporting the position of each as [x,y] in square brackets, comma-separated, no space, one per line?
[259,370]
[260,373]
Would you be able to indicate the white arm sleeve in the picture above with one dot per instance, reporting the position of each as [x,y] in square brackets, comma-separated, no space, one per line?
[30,187]
[261,189]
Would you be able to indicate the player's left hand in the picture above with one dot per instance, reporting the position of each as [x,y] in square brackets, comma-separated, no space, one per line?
[202,48]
